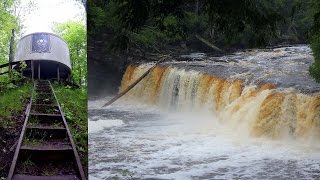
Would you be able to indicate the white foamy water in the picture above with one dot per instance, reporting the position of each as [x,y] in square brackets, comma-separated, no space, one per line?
[96,126]
[151,144]
[212,119]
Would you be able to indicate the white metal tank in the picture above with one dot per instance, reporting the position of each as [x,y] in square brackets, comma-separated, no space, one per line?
[46,55]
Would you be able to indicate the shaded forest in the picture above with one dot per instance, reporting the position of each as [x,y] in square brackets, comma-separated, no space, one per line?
[155,26]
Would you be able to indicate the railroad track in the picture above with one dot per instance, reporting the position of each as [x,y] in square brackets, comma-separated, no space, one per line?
[45,149]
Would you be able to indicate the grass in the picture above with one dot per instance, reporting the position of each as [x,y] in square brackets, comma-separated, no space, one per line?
[74,105]
[32,141]
[33,121]
[12,102]
[57,125]
[45,99]
[49,172]
[46,110]
[72,101]
[26,164]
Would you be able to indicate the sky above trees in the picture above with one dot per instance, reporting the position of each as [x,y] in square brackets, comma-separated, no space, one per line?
[42,14]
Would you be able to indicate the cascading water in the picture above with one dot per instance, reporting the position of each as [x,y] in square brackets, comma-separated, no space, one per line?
[249,115]
[263,110]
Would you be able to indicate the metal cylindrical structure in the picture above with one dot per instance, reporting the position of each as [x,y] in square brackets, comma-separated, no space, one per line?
[43,53]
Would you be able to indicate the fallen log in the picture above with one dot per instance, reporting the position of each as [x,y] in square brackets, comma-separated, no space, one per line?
[209,44]
[134,83]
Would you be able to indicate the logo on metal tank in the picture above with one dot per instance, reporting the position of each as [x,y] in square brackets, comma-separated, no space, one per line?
[40,43]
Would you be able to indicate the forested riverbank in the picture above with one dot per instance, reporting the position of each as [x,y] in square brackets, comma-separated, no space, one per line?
[125,32]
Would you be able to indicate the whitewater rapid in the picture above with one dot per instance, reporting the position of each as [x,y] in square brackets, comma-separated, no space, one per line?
[250,115]
[157,145]
[259,110]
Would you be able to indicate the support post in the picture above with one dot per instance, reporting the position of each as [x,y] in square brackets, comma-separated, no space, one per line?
[58,73]
[39,71]
[32,70]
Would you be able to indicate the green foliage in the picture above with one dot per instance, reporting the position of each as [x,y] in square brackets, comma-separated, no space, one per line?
[244,23]
[8,22]
[74,105]
[197,23]
[133,14]
[315,43]
[173,28]
[12,101]
[8,82]
[298,19]
[315,71]
[150,22]
[148,36]
[75,34]
[102,16]
[248,22]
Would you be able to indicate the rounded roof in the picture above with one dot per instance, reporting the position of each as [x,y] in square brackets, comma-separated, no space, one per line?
[42,33]
[56,49]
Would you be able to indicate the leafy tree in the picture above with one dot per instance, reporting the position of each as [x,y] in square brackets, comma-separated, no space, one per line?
[255,17]
[8,22]
[315,42]
[9,19]
[75,34]
[150,22]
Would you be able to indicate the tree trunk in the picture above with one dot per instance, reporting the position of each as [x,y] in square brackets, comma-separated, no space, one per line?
[79,68]
[196,8]
[11,52]
[133,84]
[209,44]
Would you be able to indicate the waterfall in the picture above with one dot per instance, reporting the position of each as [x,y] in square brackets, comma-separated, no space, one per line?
[260,111]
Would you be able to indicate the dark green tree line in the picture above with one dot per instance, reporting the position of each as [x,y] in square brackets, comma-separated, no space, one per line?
[248,23]
[149,25]
[315,42]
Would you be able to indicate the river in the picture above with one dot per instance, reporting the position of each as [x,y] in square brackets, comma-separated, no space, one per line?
[248,115]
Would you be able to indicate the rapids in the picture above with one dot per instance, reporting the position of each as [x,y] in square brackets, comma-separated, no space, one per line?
[253,114]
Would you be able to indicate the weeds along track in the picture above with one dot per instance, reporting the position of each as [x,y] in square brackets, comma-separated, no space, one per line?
[45,149]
